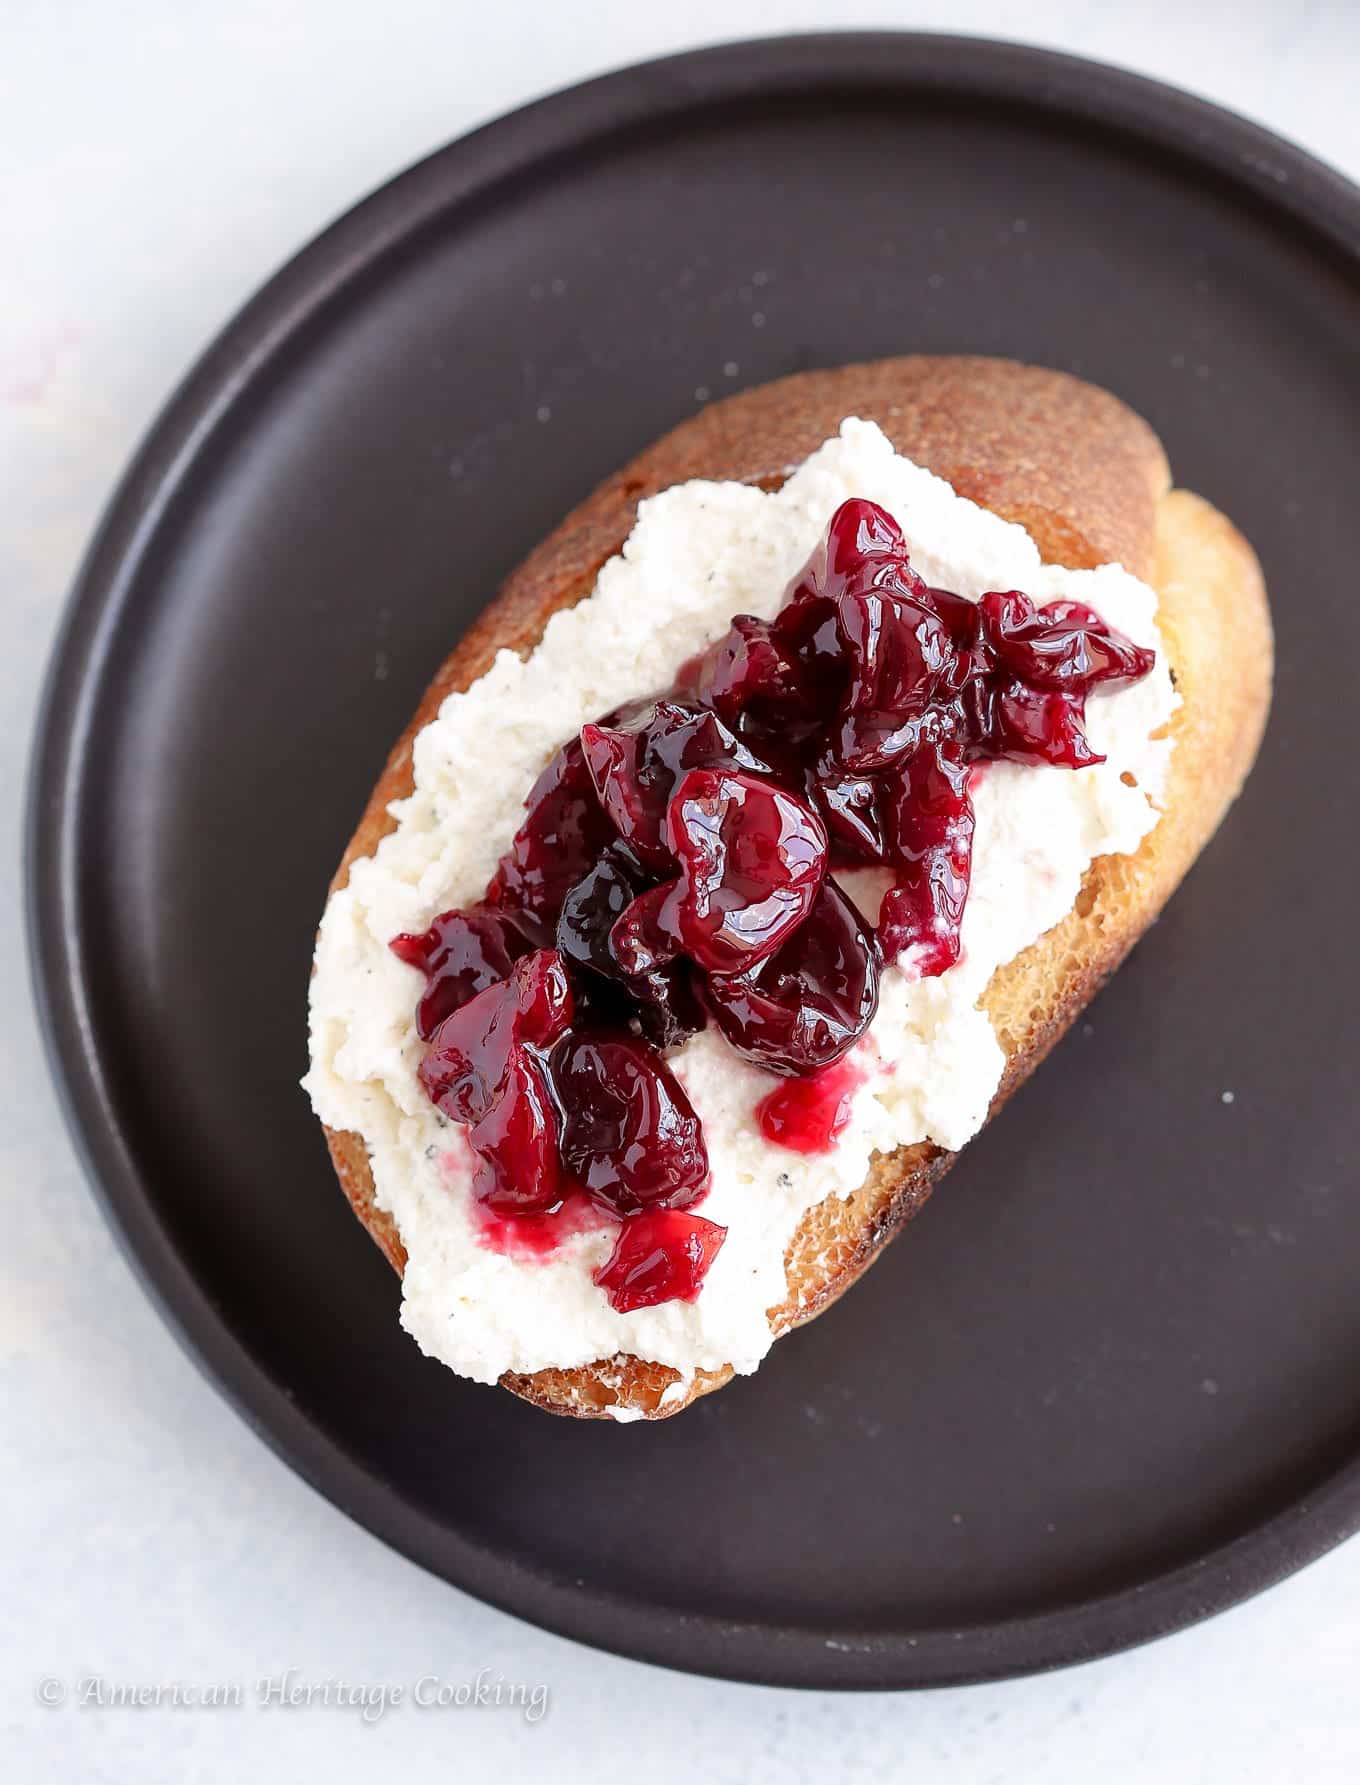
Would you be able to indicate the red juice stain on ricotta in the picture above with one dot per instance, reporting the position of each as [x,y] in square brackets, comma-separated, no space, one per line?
[809,1115]
[532,1239]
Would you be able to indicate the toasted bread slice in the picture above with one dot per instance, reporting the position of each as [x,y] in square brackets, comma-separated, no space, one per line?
[1088,479]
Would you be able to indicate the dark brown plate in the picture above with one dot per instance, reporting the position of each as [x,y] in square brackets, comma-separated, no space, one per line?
[1111,1379]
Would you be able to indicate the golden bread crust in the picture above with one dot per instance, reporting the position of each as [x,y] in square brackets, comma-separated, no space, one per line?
[1089,481]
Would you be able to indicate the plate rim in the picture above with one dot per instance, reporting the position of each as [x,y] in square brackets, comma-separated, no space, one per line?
[1243,155]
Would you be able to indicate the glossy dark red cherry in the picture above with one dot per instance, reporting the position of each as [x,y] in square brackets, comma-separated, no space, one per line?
[929,826]
[1038,726]
[462,953]
[663,1002]
[630,1137]
[849,805]
[517,1142]
[809,1003]
[862,544]
[563,835]
[637,763]
[661,1255]
[1065,645]
[753,681]
[487,1066]
[899,652]
[751,859]
[590,911]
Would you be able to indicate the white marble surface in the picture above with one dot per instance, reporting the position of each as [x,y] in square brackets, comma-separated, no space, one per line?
[158,158]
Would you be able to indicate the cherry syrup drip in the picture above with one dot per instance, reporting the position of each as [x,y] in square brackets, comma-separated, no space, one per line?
[674,868]
[809,1115]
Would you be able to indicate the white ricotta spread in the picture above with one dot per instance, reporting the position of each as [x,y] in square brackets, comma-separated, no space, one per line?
[699,554]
